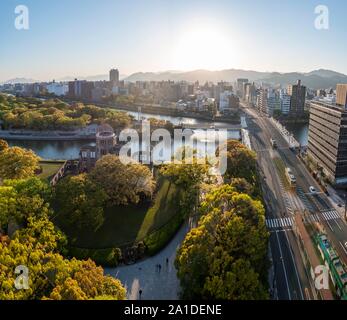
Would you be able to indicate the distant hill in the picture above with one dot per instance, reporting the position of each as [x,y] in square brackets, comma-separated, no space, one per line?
[316,79]
[19,80]
[197,75]
[319,79]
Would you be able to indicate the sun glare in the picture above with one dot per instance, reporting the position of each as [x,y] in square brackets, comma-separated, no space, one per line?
[204,48]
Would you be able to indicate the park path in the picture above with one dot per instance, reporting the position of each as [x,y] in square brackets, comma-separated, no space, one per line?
[155,285]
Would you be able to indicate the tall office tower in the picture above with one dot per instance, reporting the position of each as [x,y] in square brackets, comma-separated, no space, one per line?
[114,77]
[285,102]
[240,82]
[262,102]
[326,140]
[341,95]
[297,101]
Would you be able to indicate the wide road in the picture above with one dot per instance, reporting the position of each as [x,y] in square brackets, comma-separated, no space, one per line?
[318,204]
[291,278]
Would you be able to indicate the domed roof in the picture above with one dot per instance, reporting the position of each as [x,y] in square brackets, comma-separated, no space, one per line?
[104,128]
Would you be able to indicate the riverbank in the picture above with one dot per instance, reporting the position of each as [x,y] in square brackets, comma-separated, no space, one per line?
[160,110]
[44,136]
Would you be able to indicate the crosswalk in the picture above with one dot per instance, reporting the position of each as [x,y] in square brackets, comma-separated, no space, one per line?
[287,223]
[327,215]
[280,223]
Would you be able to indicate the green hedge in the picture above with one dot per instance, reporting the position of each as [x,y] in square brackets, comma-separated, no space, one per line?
[104,257]
[159,239]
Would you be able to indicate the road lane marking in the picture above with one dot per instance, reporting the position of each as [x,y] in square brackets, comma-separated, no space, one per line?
[343,247]
[284,267]
[296,271]
[329,226]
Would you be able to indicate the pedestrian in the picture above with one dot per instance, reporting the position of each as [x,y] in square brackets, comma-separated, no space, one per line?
[140,293]
[159,266]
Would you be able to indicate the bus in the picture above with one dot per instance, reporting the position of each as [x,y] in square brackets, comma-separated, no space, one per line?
[273,143]
[290,177]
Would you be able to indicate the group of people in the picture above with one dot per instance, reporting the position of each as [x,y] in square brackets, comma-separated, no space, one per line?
[157,269]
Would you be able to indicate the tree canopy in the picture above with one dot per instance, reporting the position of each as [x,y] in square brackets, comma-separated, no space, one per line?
[225,257]
[80,201]
[17,163]
[53,114]
[241,162]
[123,183]
[50,275]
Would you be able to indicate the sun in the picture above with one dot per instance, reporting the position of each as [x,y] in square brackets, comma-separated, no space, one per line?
[204,48]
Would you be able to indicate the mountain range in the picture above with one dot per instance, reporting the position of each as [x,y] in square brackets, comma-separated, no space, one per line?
[316,79]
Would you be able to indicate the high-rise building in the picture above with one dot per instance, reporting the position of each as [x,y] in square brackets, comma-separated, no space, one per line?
[114,77]
[285,102]
[240,83]
[297,101]
[327,144]
[262,100]
[273,102]
[341,95]
[81,89]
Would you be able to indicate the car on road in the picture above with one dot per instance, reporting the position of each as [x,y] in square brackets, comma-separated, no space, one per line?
[313,190]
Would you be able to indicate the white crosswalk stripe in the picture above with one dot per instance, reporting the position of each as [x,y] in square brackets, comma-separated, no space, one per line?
[279,223]
[330,215]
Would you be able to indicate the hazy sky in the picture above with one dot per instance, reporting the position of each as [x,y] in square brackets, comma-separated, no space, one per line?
[88,37]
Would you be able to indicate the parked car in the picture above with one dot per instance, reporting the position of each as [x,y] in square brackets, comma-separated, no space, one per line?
[313,190]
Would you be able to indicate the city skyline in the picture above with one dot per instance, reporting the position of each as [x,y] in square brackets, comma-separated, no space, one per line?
[158,35]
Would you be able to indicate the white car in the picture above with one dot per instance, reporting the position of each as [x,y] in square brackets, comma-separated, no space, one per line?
[313,190]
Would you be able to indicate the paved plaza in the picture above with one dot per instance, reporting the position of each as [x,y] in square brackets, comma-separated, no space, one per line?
[155,283]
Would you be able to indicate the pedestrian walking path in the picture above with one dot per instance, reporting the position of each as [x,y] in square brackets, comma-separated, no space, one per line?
[154,282]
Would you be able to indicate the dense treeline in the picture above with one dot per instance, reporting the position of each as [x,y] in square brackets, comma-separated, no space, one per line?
[225,256]
[53,114]
[40,247]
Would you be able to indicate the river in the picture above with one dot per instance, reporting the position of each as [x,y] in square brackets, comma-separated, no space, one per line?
[65,150]
[299,131]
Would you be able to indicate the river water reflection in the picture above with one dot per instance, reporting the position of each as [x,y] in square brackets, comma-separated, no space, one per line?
[65,150]
[70,149]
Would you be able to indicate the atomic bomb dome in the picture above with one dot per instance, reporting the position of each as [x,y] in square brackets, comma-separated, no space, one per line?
[105,140]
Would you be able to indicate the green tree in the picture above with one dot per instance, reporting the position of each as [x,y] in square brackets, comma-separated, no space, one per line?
[3,145]
[17,163]
[50,275]
[241,162]
[21,199]
[231,238]
[80,201]
[123,183]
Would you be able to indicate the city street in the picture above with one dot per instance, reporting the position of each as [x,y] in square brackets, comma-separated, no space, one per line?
[292,280]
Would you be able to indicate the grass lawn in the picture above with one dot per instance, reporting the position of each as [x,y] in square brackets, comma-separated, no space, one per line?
[49,168]
[127,224]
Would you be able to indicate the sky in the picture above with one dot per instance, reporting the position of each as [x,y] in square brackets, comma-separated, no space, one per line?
[88,37]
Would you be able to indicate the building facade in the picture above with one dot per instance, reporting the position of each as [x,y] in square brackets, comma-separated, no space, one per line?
[327,140]
[297,93]
[341,95]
